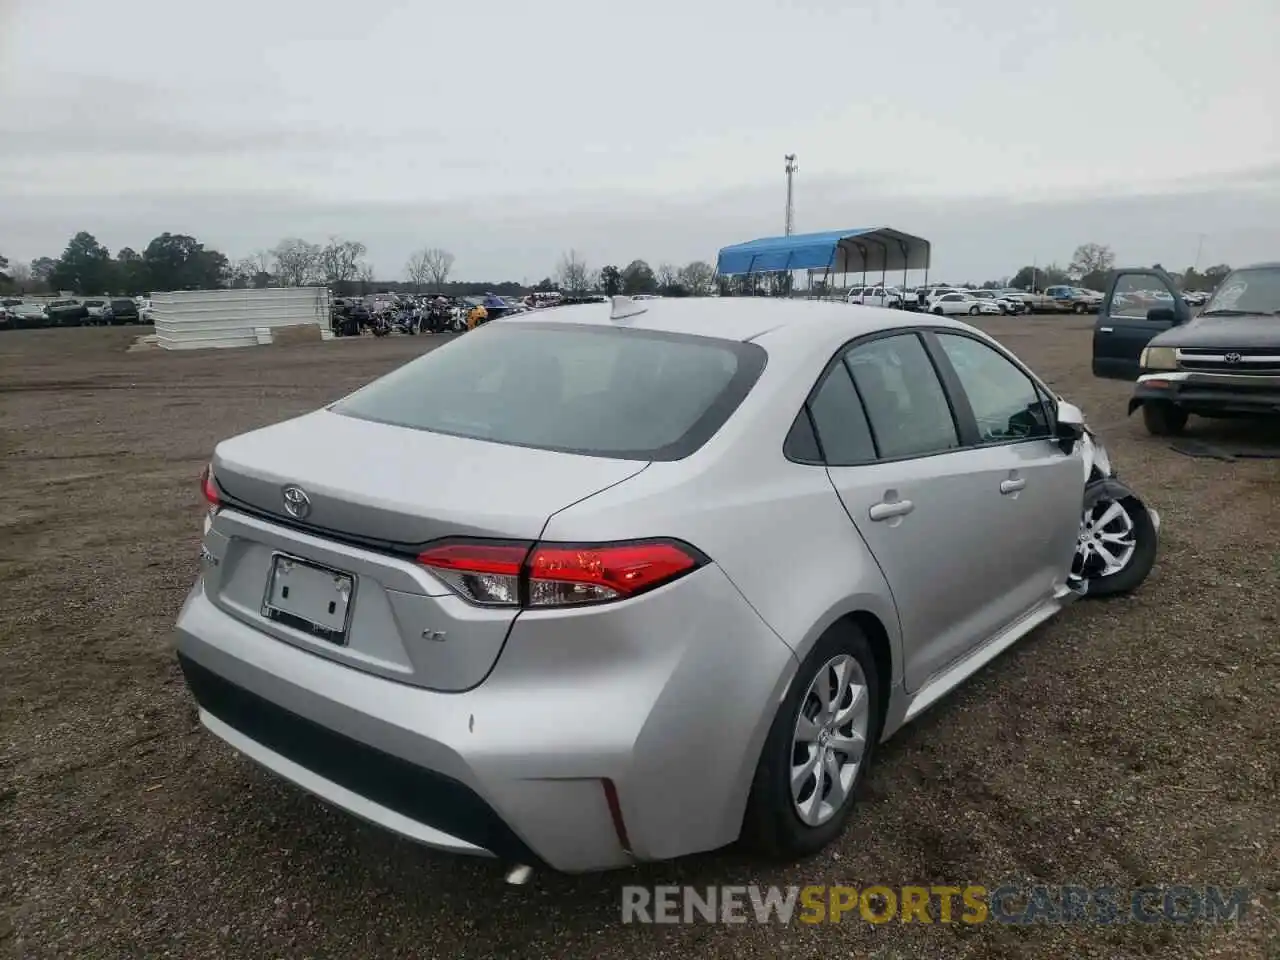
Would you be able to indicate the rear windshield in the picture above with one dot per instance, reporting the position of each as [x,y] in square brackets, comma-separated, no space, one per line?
[122,305]
[600,391]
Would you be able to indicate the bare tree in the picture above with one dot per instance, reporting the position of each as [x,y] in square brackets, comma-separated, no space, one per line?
[418,269]
[339,261]
[241,273]
[573,274]
[365,276]
[668,276]
[439,263]
[1091,258]
[697,278]
[295,262]
[20,277]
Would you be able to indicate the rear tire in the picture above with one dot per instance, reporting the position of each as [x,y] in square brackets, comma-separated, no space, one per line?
[772,824]
[974,311]
[937,311]
[1163,419]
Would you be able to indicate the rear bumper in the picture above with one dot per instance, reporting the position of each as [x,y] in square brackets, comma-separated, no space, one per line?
[1210,393]
[377,786]
[598,740]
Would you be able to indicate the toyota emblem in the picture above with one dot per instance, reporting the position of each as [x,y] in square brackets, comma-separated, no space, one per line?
[1232,358]
[296,502]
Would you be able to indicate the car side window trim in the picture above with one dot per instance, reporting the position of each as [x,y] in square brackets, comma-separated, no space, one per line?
[951,384]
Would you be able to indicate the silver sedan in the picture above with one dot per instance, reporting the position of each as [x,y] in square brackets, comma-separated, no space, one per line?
[611,583]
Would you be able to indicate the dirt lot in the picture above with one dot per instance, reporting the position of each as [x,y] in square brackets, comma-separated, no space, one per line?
[1127,742]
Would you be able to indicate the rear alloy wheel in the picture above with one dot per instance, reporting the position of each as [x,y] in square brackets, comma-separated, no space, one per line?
[1116,547]
[817,750]
[974,311]
[937,311]
[1163,419]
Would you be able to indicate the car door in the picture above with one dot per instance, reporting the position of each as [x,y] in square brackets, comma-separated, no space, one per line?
[1041,487]
[1138,305]
[954,303]
[926,504]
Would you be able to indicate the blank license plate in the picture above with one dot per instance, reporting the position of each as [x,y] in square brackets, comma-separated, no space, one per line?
[310,598]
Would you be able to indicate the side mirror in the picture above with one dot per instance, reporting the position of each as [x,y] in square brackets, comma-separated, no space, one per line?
[1163,315]
[1069,425]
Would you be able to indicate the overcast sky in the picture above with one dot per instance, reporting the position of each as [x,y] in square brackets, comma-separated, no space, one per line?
[1005,131]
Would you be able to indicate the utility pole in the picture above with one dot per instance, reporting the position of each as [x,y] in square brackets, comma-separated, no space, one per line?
[791,210]
[1199,249]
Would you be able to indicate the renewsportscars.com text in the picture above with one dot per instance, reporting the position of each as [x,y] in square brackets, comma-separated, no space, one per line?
[966,904]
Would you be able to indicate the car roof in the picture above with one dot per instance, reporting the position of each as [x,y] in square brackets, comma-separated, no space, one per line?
[741,318]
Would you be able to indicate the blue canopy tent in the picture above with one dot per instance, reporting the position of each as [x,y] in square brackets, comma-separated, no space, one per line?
[834,251]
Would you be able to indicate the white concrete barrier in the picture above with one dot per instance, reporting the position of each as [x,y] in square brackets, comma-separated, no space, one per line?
[196,319]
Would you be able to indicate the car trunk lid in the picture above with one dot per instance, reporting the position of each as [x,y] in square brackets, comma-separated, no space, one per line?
[375,495]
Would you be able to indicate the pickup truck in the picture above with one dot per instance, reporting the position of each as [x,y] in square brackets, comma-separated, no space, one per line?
[1223,362]
[66,313]
[1065,299]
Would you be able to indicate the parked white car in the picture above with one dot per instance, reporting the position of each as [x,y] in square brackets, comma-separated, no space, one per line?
[1005,304]
[956,303]
[876,297]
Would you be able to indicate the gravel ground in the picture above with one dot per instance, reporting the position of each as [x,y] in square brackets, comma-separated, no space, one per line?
[1126,742]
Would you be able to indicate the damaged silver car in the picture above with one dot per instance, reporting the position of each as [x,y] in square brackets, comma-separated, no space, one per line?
[613,583]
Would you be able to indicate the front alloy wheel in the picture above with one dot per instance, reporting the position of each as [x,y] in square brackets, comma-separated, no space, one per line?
[1116,546]
[1106,543]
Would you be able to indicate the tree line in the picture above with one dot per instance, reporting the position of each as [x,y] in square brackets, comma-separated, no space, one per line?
[180,262]
[1094,264]
[574,276]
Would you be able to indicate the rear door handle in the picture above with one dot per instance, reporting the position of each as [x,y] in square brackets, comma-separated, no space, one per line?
[887,511]
[1105,329]
[1012,486]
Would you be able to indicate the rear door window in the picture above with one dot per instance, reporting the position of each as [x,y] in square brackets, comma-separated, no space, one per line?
[905,404]
[599,391]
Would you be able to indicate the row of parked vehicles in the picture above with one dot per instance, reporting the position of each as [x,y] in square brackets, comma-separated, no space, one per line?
[945,300]
[17,313]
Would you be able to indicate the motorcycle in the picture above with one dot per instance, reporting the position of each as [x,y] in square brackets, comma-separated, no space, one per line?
[405,322]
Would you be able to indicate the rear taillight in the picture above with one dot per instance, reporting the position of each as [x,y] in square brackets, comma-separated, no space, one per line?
[209,487]
[556,575]
[561,575]
[209,490]
[487,573]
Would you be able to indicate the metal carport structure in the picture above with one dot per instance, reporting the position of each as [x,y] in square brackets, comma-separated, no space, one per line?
[867,249]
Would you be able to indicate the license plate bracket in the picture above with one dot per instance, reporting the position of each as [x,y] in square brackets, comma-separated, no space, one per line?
[309,597]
